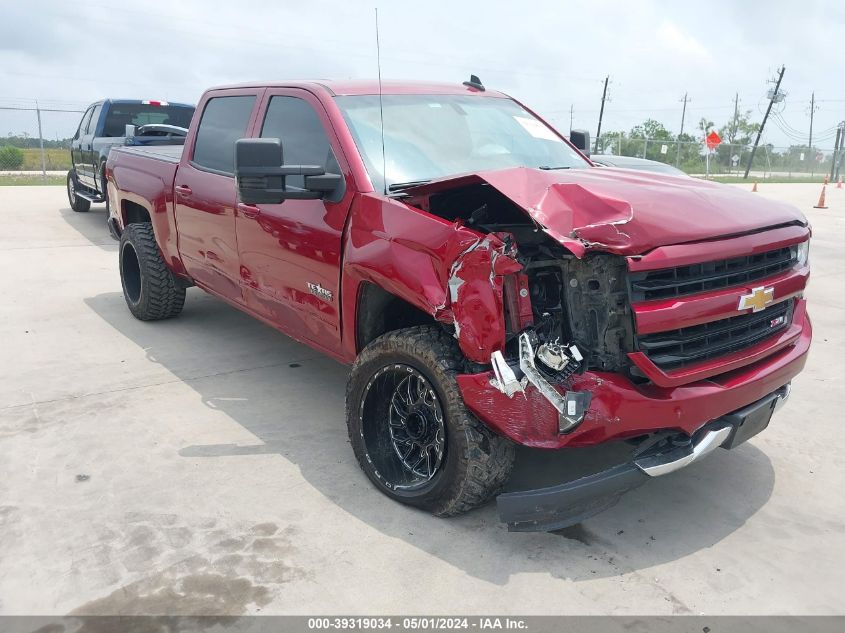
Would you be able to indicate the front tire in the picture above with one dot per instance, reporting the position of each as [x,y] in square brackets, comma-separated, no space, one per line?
[80,205]
[411,431]
[149,288]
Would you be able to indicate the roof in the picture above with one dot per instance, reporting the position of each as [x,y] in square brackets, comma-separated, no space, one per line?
[139,101]
[369,87]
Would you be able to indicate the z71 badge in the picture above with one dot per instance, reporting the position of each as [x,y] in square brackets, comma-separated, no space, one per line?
[318,291]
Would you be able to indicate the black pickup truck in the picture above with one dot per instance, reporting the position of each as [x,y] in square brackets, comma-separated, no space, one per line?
[112,122]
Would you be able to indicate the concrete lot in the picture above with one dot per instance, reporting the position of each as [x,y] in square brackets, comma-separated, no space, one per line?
[201,465]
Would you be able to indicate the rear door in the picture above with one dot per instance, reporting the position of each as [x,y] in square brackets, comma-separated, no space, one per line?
[204,190]
[290,253]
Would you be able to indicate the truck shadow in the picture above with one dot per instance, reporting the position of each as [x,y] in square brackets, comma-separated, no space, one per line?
[292,399]
[91,225]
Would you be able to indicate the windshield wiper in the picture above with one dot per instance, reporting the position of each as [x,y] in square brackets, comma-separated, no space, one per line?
[397,187]
[547,168]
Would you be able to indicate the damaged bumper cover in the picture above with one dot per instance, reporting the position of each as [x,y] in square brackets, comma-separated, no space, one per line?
[559,506]
[620,409]
[570,406]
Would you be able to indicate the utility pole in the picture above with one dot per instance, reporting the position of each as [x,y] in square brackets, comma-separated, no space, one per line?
[601,112]
[835,165]
[571,115]
[41,142]
[681,133]
[735,130]
[775,95]
[812,112]
[810,152]
[735,126]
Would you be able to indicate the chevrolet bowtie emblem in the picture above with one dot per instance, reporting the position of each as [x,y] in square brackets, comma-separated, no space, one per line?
[757,299]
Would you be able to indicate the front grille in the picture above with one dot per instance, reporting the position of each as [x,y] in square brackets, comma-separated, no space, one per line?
[675,349]
[687,280]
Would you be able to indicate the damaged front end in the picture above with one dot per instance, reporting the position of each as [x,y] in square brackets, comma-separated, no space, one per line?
[532,276]
[533,316]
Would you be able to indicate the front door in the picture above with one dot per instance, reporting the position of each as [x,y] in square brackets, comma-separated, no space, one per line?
[77,150]
[290,252]
[205,195]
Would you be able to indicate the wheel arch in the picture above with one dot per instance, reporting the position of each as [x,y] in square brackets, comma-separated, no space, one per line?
[378,311]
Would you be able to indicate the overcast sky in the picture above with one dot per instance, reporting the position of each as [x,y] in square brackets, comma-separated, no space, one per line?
[551,55]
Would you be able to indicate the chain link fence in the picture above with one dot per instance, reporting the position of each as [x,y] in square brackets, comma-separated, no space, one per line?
[35,141]
[47,151]
[727,160]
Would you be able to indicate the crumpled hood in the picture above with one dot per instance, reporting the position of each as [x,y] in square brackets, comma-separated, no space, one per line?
[625,211]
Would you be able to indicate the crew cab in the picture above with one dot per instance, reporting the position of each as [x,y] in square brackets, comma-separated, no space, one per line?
[490,287]
[112,122]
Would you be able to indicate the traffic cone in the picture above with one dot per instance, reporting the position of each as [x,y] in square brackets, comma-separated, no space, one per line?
[754,188]
[820,204]
[839,183]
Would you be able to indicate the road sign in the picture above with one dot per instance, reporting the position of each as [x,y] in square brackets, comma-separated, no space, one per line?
[664,149]
[735,160]
[713,140]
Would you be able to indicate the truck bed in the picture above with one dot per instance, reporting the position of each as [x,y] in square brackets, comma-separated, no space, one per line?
[166,153]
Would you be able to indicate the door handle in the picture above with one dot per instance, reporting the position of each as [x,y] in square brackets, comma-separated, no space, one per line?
[249,210]
[183,190]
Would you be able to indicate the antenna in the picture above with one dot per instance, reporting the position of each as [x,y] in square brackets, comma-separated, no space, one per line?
[381,109]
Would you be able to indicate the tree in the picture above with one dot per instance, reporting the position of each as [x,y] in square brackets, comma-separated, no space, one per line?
[10,157]
[652,130]
[736,137]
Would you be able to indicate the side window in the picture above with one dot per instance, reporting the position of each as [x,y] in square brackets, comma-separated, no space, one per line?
[83,124]
[91,128]
[304,140]
[223,122]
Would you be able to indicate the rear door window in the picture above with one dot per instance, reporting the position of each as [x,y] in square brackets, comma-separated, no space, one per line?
[223,122]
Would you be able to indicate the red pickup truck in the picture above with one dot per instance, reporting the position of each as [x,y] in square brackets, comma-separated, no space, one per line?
[498,297]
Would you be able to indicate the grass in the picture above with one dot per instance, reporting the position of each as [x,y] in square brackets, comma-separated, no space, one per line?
[19,180]
[55,159]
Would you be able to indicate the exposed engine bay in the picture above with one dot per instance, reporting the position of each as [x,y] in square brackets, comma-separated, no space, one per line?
[563,314]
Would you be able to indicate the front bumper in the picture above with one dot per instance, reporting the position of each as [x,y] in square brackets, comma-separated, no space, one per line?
[619,409]
[558,506]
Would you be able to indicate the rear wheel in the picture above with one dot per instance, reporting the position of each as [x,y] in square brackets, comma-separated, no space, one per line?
[149,288]
[80,205]
[410,430]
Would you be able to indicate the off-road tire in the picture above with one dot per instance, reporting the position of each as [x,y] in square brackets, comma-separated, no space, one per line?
[477,462]
[150,290]
[80,205]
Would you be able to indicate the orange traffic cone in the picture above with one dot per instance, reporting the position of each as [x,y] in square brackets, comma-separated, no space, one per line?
[826,181]
[839,183]
[820,204]
[754,188]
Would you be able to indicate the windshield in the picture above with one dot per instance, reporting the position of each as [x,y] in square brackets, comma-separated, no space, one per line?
[433,136]
[122,114]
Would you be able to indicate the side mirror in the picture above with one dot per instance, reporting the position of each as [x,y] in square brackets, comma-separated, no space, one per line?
[581,140]
[260,174]
[130,131]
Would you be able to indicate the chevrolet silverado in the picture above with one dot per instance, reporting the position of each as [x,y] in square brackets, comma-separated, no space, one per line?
[499,298]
